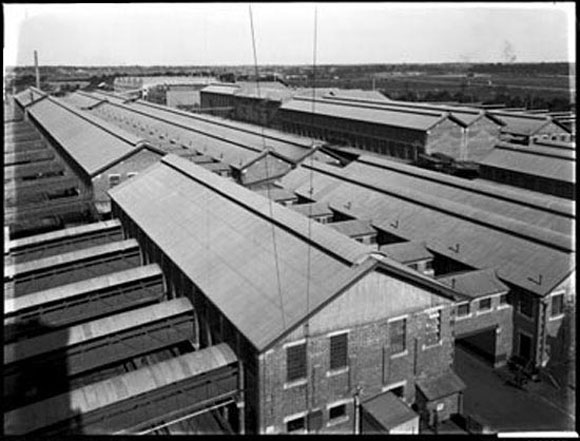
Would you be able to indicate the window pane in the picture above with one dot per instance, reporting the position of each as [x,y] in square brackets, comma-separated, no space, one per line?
[557,305]
[433,330]
[294,425]
[296,362]
[338,351]
[337,412]
[397,334]
[503,299]
[484,304]
[463,310]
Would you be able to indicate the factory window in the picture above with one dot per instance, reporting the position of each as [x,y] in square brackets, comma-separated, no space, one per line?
[338,351]
[433,328]
[398,335]
[337,412]
[132,174]
[114,179]
[463,310]
[429,265]
[414,266]
[557,305]
[296,362]
[503,300]
[526,306]
[296,425]
[485,304]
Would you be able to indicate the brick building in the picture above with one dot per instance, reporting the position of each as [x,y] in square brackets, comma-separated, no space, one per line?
[317,343]
[468,225]
[75,135]
[524,128]
[481,128]
[399,132]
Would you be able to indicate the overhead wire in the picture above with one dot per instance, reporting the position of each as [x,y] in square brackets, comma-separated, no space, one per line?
[277,264]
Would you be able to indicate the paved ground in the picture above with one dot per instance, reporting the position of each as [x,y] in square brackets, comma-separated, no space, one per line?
[506,408]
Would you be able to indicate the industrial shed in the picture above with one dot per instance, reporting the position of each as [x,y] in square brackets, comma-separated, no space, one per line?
[525,237]
[75,137]
[223,267]
[398,132]
[525,128]
[482,129]
[535,167]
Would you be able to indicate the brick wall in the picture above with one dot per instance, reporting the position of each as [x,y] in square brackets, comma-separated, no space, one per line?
[446,137]
[499,317]
[371,367]
[482,136]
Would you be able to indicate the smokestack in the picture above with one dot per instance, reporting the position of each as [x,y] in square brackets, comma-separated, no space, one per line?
[36,70]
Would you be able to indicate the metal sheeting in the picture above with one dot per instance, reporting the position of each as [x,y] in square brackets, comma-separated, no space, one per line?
[220,235]
[312,210]
[85,332]
[64,233]
[475,283]
[388,410]
[89,145]
[461,232]
[406,252]
[464,115]
[81,100]
[221,89]
[482,193]
[123,387]
[529,162]
[353,228]
[520,124]
[446,384]
[61,293]
[23,268]
[403,118]
[277,194]
[29,96]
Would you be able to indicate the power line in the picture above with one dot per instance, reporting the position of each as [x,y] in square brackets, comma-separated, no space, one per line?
[267,178]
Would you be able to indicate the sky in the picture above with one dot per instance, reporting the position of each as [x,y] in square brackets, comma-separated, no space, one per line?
[189,34]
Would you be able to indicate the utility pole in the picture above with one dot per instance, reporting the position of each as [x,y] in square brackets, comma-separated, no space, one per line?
[36,70]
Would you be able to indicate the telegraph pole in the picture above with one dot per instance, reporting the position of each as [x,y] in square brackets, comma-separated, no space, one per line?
[36,70]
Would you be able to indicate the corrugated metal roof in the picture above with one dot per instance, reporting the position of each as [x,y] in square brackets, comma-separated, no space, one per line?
[73,256]
[80,137]
[520,248]
[353,228]
[466,115]
[533,161]
[277,194]
[123,387]
[222,89]
[521,124]
[441,386]
[64,233]
[475,284]
[29,96]
[388,410]
[313,210]
[219,234]
[18,304]
[547,212]
[110,325]
[405,118]
[356,94]
[406,252]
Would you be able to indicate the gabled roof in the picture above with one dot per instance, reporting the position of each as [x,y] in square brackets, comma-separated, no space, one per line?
[29,96]
[353,228]
[478,283]
[521,237]
[466,115]
[421,120]
[92,143]
[220,235]
[406,252]
[524,124]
